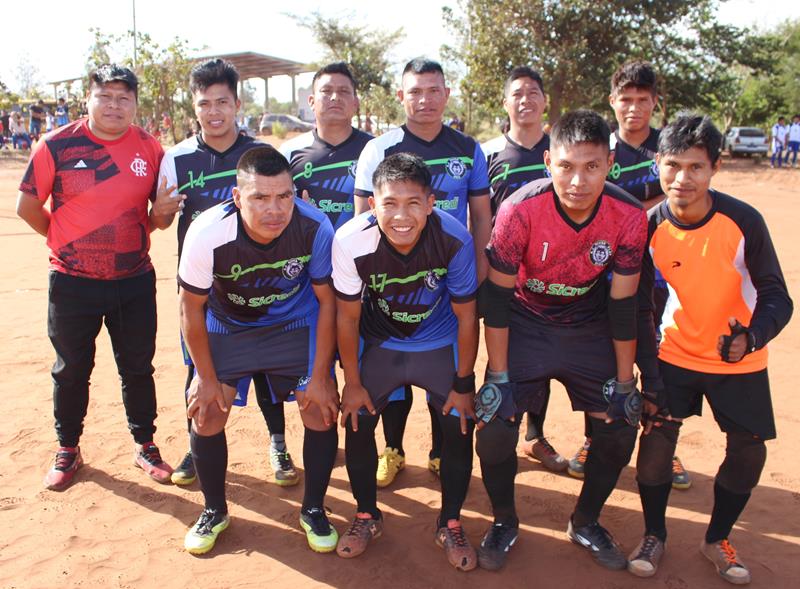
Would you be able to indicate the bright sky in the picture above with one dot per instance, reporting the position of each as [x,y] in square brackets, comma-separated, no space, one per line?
[56,40]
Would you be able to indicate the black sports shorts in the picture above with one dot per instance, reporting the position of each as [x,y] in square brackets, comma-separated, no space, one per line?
[582,358]
[384,370]
[739,402]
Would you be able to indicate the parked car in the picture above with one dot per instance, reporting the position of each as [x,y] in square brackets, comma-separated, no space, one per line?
[746,141]
[288,122]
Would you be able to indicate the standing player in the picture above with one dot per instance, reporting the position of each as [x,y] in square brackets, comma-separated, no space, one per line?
[779,133]
[461,187]
[99,174]
[634,95]
[255,298]
[705,241]
[551,313]
[415,325]
[514,159]
[202,169]
[323,161]
[794,141]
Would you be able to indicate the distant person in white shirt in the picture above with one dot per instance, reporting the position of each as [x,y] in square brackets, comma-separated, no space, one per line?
[779,132]
[794,141]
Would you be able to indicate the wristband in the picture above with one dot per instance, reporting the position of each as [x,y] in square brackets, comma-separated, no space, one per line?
[625,386]
[464,385]
[496,376]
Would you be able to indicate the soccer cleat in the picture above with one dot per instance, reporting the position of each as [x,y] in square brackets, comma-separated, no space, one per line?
[203,534]
[389,464]
[185,474]
[148,458]
[284,474]
[459,551]
[357,537]
[643,561]
[496,543]
[540,449]
[600,544]
[67,462]
[680,477]
[321,535]
[729,567]
[435,465]
[577,463]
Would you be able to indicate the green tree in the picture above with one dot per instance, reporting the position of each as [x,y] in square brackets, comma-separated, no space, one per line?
[7,98]
[577,45]
[365,49]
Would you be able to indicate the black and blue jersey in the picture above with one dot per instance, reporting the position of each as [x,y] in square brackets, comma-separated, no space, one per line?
[635,169]
[326,171]
[249,283]
[406,298]
[204,175]
[457,164]
[511,166]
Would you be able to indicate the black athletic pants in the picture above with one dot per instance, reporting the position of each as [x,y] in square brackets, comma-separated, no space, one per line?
[77,309]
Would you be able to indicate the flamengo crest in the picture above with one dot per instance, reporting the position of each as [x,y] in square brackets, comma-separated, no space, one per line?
[139,166]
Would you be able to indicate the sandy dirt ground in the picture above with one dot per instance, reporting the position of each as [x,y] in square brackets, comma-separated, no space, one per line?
[116,528]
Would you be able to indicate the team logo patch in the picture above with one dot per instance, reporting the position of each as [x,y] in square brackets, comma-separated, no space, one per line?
[431,280]
[236,299]
[303,381]
[351,169]
[292,269]
[139,166]
[535,285]
[600,253]
[455,168]
[384,306]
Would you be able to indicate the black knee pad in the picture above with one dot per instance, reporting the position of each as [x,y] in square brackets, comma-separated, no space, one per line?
[496,441]
[656,449]
[612,444]
[745,456]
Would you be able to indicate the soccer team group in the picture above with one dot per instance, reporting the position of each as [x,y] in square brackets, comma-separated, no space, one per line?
[586,253]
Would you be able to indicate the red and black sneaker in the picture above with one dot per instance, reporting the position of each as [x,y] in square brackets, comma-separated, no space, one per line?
[67,462]
[148,458]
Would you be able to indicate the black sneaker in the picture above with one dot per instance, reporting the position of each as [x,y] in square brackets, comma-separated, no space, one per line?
[493,551]
[321,535]
[600,544]
[185,474]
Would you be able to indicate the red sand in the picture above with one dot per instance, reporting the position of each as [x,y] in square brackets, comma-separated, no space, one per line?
[116,528]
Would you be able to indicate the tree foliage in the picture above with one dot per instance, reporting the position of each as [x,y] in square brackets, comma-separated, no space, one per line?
[366,50]
[577,45]
[163,72]
[759,99]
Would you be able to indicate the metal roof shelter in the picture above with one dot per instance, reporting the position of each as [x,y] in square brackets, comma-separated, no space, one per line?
[258,65]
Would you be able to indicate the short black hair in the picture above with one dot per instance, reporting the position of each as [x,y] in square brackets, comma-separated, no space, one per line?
[402,167]
[263,160]
[780,118]
[639,74]
[112,72]
[423,65]
[523,71]
[214,71]
[691,130]
[338,67]
[580,126]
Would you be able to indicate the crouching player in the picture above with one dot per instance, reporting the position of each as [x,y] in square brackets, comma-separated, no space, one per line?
[703,241]
[551,313]
[415,326]
[262,264]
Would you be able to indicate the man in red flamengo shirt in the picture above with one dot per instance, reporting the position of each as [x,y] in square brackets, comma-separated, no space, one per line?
[99,174]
